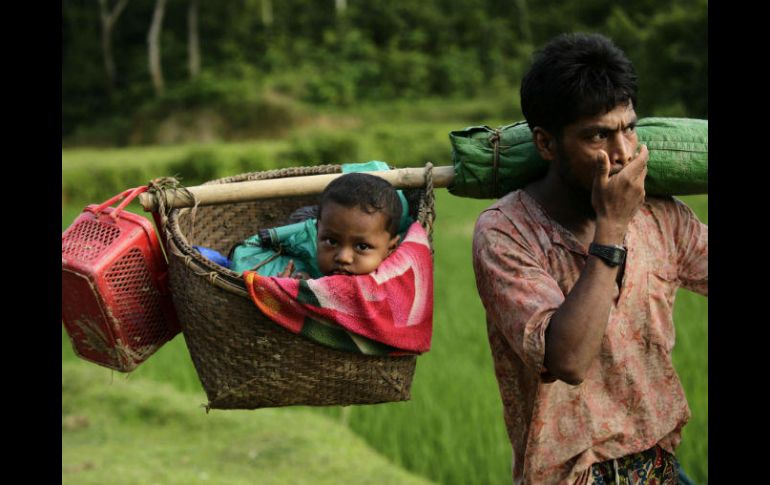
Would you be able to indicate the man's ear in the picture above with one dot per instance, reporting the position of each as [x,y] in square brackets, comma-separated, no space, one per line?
[545,143]
[393,243]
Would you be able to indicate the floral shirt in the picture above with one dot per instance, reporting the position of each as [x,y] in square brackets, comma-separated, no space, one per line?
[631,397]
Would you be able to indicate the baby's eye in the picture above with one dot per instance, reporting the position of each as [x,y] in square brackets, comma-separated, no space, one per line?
[362,246]
[329,241]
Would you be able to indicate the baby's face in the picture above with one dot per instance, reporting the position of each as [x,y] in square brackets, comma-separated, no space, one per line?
[350,241]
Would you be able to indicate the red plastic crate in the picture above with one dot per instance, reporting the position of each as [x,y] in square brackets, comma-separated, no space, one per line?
[116,304]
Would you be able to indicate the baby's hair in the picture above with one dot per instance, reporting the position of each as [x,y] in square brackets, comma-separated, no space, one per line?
[371,194]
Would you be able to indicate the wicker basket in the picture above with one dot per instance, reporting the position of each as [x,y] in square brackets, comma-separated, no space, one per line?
[243,359]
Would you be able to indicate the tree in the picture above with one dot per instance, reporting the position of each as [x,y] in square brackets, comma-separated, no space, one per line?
[193,45]
[267,13]
[153,44]
[108,20]
[523,11]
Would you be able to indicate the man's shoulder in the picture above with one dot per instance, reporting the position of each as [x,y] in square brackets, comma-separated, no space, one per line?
[667,208]
[508,207]
[508,221]
[663,221]
[660,202]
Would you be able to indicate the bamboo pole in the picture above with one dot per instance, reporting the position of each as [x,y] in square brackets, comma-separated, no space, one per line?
[402,178]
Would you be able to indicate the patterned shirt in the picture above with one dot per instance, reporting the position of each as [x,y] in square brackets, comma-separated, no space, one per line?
[631,397]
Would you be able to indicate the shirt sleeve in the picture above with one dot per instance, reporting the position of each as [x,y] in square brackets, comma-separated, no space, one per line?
[692,248]
[519,296]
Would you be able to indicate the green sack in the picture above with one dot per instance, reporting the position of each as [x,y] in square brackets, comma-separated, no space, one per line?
[490,163]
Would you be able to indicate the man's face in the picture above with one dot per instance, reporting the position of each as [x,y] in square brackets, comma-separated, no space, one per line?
[351,241]
[578,151]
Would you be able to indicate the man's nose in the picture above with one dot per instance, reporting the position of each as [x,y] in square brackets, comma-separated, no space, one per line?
[622,150]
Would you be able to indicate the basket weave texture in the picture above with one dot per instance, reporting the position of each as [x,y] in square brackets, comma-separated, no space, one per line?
[243,359]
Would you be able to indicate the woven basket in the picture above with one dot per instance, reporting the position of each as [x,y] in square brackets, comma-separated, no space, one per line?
[243,359]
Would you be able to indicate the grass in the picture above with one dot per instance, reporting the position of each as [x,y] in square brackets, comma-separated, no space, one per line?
[139,431]
[141,156]
[690,358]
[452,430]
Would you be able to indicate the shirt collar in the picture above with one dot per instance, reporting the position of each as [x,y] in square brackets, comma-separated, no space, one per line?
[556,232]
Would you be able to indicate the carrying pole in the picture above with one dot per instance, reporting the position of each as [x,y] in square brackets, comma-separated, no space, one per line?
[214,194]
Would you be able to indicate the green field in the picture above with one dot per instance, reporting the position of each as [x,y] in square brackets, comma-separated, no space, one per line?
[452,430]
[136,431]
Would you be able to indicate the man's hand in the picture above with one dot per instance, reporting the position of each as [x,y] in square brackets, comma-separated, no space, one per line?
[617,196]
[575,332]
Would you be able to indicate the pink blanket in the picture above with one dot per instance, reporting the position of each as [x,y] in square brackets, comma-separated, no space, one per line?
[387,312]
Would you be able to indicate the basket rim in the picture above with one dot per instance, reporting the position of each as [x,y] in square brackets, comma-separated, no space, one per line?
[218,275]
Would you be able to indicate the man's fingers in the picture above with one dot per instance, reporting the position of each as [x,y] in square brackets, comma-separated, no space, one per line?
[602,173]
[638,166]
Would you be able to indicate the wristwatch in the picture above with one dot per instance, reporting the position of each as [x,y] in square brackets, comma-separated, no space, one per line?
[612,255]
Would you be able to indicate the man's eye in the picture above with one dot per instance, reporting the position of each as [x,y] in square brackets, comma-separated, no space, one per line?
[630,129]
[600,136]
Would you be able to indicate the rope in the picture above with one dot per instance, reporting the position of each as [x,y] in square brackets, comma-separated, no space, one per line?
[427,211]
[160,188]
[277,253]
[213,277]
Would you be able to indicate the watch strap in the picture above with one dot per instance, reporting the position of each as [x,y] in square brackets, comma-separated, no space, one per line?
[611,254]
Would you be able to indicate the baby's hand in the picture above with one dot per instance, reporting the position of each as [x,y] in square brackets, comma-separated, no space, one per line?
[287,271]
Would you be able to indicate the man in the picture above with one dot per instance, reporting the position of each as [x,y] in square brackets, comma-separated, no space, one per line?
[578,272]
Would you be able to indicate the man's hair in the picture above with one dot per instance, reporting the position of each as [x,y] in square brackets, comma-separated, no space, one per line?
[371,194]
[575,76]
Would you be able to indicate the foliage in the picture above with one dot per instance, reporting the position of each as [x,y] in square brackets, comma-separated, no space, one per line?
[94,175]
[325,146]
[670,50]
[404,133]
[375,50]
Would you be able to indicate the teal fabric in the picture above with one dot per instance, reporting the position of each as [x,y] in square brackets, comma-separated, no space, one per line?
[298,242]
[678,163]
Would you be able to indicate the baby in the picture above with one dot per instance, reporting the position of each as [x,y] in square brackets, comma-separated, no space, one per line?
[358,221]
